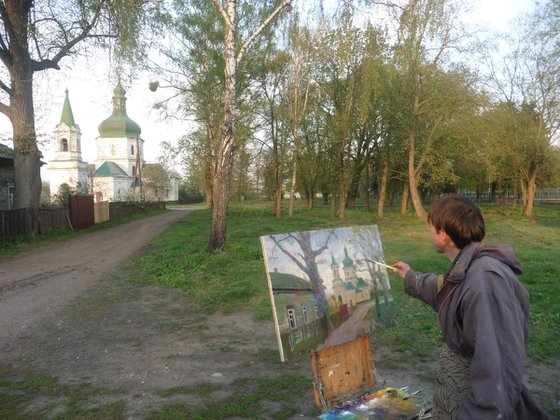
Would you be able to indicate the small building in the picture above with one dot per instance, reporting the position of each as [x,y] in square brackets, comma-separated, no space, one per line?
[7,177]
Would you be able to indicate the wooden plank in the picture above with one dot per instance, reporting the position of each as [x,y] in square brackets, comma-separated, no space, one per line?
[343,372]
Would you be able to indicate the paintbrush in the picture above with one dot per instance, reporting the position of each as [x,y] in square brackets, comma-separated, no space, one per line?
[385,265]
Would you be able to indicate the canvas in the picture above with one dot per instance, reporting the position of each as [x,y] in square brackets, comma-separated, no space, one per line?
[326,287]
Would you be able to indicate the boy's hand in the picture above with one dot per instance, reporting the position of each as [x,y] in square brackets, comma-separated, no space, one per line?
[401,268]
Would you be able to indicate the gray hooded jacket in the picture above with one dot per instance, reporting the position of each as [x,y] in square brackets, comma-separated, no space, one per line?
[484,316]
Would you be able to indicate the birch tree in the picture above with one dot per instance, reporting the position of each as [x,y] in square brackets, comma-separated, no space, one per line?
[233,54]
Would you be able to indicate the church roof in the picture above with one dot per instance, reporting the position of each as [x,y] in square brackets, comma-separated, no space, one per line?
[347,261]
[119,124]
[108,169]
[67,116]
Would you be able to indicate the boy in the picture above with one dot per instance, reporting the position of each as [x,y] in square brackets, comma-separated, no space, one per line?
[484,316]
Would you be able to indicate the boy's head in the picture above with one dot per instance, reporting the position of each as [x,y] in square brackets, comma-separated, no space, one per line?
[459,218]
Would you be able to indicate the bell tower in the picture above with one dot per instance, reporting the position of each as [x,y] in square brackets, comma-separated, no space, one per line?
[67,165]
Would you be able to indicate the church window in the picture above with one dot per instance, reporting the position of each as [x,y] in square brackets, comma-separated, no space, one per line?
[134,171]
[113,150]
[292,321]
[304,313]
[64,145]
[132,149]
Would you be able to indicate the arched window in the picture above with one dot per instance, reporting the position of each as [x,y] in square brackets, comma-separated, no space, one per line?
[64,145]
[113,150]
[132,149]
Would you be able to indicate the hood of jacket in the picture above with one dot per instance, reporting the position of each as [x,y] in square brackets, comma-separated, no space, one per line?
[474,250]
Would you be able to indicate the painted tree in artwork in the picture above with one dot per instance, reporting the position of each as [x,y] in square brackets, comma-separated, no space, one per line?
[306,261]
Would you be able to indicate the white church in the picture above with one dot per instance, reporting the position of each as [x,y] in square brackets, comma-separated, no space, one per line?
[117,172]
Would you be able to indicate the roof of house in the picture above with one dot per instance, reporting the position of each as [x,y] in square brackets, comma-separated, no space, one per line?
[108,169]
[288,281]
[6,152]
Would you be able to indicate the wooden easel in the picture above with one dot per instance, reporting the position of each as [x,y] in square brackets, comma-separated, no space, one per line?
[343,372]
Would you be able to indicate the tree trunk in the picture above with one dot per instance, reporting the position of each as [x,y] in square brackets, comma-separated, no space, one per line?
[342,201]
[531,190]
[404,201]
[524,199]
[293,189]
[382,190]
[222,179]
[413,184]
[278,202]
[366,187]
[209,196]
[27,157]
[223,166]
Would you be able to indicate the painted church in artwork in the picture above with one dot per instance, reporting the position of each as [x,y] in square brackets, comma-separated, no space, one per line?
[351,289]
[116,174]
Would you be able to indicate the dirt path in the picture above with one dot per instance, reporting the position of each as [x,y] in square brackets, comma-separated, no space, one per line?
[69,321]
[35,285]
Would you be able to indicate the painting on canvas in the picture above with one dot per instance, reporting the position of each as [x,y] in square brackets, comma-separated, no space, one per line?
[326,286]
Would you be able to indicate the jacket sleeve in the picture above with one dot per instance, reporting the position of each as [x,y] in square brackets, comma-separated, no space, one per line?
[422,286]
[495,329]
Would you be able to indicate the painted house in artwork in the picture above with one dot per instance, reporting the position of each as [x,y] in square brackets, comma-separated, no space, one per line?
[298,316]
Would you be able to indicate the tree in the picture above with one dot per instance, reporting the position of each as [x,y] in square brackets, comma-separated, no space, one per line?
[156,181]
[227,144]
[426,30]
[36,36]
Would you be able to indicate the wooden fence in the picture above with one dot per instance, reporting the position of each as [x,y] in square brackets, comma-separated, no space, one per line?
[20,221]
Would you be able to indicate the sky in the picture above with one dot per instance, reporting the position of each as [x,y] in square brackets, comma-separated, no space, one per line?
[90,87]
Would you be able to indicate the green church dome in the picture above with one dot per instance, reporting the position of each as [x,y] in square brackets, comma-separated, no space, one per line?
[347,261]
[119,124]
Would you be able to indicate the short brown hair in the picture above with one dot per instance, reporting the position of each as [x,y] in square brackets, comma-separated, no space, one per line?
[459,218]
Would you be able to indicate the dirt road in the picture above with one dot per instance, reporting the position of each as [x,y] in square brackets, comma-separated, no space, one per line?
[35,285]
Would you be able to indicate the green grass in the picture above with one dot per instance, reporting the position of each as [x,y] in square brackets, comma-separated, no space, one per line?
[251,398]
[23,243]
[19,390]
[235,279]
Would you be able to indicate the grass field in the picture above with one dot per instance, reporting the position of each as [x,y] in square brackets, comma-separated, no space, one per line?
[235,279]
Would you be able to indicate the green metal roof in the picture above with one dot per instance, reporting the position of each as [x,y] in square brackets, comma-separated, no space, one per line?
[109,168]
[67,116]
[119,124]
[288,281]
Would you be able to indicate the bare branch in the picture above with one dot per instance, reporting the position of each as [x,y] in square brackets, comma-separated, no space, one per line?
[250,38]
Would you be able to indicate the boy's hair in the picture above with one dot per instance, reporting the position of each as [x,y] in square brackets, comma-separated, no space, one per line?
[459,218]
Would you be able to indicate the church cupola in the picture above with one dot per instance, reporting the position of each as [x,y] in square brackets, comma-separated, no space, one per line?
[119,124]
